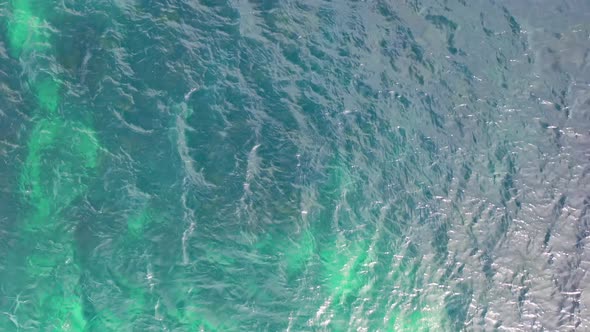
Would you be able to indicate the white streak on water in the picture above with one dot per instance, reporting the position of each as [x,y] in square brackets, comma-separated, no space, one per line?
[157,314]
[134,128]
[189,215]
[321,311]
[253,167]
[252,171]
[187,96]
[183,113]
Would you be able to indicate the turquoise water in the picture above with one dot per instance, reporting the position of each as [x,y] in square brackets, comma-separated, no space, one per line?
[294,165]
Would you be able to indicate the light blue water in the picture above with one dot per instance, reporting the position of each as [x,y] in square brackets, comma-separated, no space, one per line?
[294,165]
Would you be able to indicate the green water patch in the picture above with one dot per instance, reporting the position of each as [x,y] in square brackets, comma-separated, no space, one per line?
[61,156]
[51,276]
[61,159]
[415,304]
[130,305]
[344,270]
[62,309]
[142,297]
[338,182]
[29,36]
[27,31]
[292,253]
[341,258]
[190,317]
[47,91]
[186,305]
[132,300]
[298,254]
[349,258]
[342,262]
[418,318]
[344,274]
[137,224]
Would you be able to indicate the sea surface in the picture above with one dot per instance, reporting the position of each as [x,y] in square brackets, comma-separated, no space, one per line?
[294,165]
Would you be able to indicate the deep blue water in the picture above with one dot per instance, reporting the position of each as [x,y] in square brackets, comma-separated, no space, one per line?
[294,165]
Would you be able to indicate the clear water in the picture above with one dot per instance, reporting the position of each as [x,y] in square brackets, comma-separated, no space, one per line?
[294,165]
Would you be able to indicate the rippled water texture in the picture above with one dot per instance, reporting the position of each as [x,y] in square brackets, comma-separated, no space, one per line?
[185,165]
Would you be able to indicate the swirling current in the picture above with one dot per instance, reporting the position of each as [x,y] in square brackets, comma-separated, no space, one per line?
[296,165]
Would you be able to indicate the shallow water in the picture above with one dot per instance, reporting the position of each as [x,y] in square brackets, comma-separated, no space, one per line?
[294,165]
